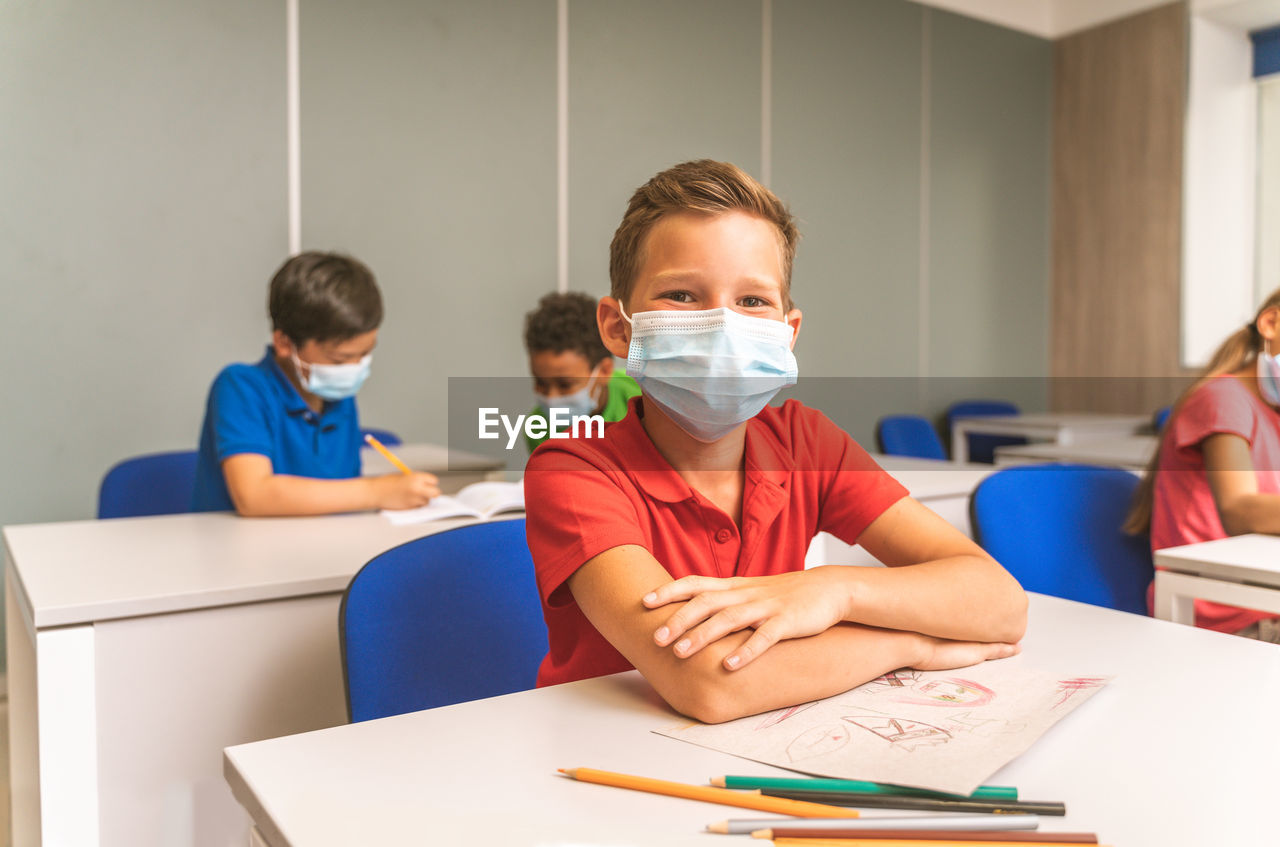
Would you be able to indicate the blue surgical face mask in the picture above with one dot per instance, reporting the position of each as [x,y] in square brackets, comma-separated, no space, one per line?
[1269,375]
[334,382]
[579,403]
[710,370]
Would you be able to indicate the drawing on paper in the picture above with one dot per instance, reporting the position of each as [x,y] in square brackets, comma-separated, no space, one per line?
[775,718]
[951,691]
[903,734]
[1071,687]
[817,741]
[957,727]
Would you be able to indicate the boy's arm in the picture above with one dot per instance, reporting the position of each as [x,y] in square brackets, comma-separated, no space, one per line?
[258,492]
[608,589]
[956,592]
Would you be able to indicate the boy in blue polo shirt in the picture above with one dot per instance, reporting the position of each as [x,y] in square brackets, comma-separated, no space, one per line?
[282,437]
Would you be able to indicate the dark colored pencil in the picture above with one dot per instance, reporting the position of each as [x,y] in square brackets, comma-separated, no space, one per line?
[925,804]
[937,835]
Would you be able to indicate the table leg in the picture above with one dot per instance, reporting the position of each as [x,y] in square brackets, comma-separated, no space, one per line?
[1169,604]
[959,442]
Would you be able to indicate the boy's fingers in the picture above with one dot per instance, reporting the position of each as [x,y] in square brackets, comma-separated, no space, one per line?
[684,588]
[761,640]
[725,621]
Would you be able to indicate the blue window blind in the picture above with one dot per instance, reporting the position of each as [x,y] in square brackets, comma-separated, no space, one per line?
[1266,51]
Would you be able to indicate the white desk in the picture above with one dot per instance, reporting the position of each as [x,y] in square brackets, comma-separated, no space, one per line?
[1175,752]
[138,648]
[1131,452]
[1058,427]
[945,487]
[1241,571]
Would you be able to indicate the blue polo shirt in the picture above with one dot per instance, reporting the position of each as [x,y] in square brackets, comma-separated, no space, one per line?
[256,409]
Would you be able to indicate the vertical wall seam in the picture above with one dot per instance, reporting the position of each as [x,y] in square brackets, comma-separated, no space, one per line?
[562,145]
[926,189]
[766,92]
[293,131]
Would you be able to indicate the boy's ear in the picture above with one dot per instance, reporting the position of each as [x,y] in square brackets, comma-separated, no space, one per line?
[284,348]
[794,317]
[615,332]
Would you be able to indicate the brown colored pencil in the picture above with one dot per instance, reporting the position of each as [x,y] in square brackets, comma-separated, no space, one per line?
[894,842]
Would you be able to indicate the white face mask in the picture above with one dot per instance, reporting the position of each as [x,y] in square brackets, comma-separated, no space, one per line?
[580,403]
[710,370]
[333,382]
[1269,375]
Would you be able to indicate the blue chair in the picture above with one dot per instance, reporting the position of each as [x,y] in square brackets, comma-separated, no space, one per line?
[386,436]
[1160,417]
[982,447]
[908,435]
[1057,528]
[443,619]
[154,484]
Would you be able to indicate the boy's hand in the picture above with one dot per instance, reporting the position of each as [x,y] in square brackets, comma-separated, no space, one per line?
[405,491]
[939,654]
[790,605]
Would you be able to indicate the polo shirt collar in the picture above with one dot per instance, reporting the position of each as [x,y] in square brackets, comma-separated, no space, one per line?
[765,457]
[289,396]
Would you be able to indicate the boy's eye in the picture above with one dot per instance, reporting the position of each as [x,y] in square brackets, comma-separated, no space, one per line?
[678,296]
[754,302]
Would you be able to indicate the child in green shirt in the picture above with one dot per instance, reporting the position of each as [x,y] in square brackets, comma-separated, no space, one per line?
[570,365]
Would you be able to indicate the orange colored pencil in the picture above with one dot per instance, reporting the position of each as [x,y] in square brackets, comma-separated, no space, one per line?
[706,793]
[390,457]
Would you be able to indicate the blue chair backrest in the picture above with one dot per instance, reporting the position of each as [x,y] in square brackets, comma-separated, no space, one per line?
[386,436]
[908,435]
[1057,529]
[1160,417]
[443,619]
[982,447]
[155,484]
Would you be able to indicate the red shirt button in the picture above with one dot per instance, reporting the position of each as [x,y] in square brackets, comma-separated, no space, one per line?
[723,536]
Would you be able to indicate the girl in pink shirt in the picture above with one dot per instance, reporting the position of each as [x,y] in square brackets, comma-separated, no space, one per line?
[1217,472]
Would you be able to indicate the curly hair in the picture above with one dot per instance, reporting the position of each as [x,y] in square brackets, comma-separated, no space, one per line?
[565,322]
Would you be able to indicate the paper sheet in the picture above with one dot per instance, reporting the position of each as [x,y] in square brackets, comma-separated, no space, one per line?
[941,730]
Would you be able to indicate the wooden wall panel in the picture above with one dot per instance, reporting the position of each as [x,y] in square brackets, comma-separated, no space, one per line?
[1118,111]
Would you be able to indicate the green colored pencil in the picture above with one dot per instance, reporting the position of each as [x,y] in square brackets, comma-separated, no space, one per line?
[858,786]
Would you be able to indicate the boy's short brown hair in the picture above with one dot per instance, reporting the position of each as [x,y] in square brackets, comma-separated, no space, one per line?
[565,322]
[706,186]
[319,296]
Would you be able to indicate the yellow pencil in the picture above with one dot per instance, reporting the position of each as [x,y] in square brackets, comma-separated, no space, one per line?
[391,457]
[706,793]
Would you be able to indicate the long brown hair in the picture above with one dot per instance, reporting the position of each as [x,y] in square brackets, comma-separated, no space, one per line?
[1240,348]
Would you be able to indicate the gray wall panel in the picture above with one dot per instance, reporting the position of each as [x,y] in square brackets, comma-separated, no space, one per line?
[143,176]
[652,84]
[989,152]
[428,151]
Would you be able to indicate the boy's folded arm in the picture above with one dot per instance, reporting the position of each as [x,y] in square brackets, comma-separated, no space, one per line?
[938,582]
[608,589]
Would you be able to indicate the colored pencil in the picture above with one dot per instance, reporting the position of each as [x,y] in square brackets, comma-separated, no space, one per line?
[984,792]
[724,796]
[919,804]
[387,454]
[742,826]
[880,842]
[987,835]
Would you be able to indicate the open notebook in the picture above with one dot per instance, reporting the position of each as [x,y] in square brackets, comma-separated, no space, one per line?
[478,500]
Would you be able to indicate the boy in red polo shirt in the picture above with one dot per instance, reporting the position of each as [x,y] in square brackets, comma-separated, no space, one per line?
[676,543]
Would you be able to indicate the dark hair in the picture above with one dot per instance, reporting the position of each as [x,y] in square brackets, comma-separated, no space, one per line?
[565,322]
[705,186]
[323,296]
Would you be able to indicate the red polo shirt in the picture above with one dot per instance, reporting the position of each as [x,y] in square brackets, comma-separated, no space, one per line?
[585,496]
